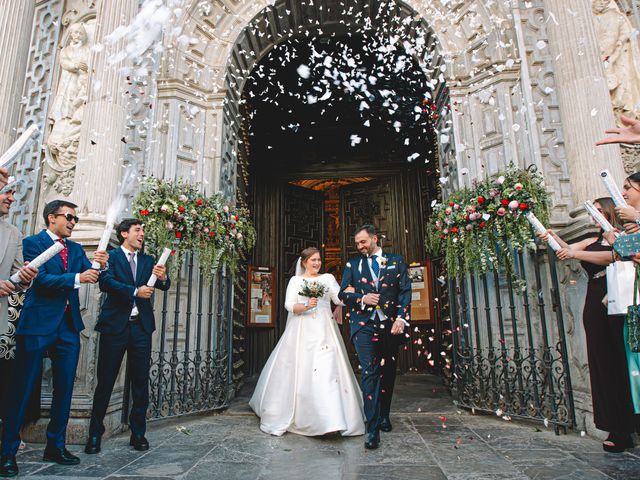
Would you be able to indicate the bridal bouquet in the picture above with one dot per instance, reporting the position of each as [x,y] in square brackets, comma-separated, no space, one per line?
[312,289]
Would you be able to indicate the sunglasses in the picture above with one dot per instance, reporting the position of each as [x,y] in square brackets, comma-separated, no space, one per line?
[68,216]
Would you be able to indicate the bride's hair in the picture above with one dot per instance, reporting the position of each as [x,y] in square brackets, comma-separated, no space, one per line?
[307,253]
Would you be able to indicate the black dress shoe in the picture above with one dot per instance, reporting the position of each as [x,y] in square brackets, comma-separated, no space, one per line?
[373,440]
[385,424]
[93,445]
[60,455]
[139,442]
[8,466]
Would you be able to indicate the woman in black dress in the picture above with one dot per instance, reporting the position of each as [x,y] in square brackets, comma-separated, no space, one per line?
[610,391]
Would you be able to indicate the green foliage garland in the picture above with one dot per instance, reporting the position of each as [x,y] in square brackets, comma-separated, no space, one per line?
[478,228]
[177,215]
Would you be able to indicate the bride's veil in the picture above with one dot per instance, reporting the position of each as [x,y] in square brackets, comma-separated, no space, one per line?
[299,268]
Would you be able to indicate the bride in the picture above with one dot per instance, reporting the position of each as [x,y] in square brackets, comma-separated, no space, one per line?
[307,385]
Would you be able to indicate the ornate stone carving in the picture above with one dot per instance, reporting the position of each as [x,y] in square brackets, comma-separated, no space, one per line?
[620,50]
[67,107]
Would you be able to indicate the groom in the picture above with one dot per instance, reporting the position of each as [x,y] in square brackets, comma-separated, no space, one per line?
[377,292]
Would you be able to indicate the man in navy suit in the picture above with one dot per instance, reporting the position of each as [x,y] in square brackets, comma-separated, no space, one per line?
[50,321]
[125,324]
[377,291]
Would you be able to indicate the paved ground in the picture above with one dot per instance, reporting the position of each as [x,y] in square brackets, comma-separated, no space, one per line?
[422,446]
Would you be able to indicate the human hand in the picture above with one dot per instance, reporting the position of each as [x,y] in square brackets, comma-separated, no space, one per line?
[627,214]
[145,292]
[636,258]
[160,271]
[27,273]
[371,299]
[337,315]
[545,235]
[102,258]
[398,327]
[611,236]
[89,276]
[631,227]
[6,288]
[4,177]
[631,134]
[312,303]
[565,254]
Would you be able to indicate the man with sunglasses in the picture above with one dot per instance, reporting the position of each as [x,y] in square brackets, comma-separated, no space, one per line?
[50,321]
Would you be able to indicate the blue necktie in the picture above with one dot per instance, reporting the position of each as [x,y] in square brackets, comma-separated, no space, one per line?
[375,266]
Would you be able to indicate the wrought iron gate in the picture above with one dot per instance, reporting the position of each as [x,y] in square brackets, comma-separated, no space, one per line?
[192,363]
[509,347]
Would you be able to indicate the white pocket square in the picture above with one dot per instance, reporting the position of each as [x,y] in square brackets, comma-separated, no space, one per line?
[391,267]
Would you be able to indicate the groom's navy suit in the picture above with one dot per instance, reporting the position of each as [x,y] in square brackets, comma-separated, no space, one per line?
[120,333]
[50,320]
[377,349]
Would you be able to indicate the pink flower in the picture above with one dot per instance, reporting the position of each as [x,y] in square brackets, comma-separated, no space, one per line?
[448,211]
[518,186]
[500,180]
[501,211]
[469,226]
[239,236]
[225,209]
[513,205]
[164,208]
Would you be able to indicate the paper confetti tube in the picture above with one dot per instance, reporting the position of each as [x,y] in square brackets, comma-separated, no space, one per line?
[104,242]
[19,145]
[612,188]
[539,228]
[41,259]
[163,259]
[598,217]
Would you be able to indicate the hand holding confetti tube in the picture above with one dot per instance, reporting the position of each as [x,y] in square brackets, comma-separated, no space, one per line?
[539,228]
[163,259]
[41,259]
[598,217]
[612,188]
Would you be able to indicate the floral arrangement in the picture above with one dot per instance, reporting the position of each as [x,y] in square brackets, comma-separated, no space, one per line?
[477,228]
[312,289]
[177,214]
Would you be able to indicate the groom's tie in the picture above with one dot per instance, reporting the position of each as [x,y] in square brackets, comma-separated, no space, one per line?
[375,266]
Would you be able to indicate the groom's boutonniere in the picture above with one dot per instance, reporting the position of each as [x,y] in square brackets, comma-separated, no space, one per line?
[383,262]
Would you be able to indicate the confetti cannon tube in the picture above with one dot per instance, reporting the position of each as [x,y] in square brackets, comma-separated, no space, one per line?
[41,259]
[18,146]
[539,228]
[612,188]
[598,217]
[104,243]
[163,259]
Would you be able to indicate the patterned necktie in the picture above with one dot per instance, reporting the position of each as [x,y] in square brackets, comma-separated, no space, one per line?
[375,266]
[64,254]
[132,264]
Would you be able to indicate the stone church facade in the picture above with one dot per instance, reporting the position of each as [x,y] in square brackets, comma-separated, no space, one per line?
[525,79]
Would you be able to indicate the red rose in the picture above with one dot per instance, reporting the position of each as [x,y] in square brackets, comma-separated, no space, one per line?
[451,204]
[504,202]
[181,209]
[482,224]
[212,234]
[144,212]
[523,206]
[178,234]
[480,200]
[442,235]
[454,230]
[199,202]
[237,218]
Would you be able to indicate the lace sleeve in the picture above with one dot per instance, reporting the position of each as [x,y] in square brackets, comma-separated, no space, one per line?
[291,297]
[334,290]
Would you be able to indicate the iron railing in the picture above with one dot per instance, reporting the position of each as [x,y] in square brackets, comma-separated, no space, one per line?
[509,356]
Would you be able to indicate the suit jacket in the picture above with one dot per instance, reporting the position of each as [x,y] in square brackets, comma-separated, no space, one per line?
[119,285]
[10,262]
[52,289]
[394,288]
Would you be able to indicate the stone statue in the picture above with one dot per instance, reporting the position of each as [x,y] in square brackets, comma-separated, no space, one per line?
[620,48]
[67,107]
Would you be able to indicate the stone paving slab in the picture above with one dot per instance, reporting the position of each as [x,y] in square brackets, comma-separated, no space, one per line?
[431,440]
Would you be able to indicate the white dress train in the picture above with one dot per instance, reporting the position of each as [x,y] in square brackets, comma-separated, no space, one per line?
[307,385]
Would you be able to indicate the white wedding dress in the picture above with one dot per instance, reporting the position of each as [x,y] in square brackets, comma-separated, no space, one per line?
[307,385]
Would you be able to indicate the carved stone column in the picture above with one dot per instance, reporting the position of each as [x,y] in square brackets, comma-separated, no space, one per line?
[585,105]
[16,23]
[101,149]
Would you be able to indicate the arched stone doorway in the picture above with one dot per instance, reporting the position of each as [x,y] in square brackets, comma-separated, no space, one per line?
[311,187]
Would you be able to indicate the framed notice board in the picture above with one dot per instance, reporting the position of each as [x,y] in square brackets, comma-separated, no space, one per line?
[261,292]
[421,291]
